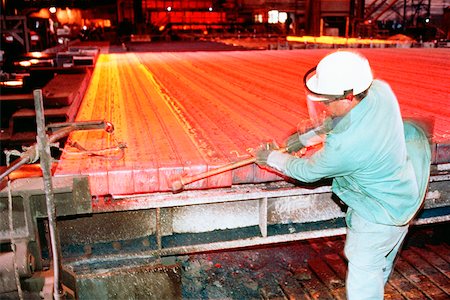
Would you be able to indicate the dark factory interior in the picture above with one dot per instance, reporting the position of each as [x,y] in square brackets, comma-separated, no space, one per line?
[225,149]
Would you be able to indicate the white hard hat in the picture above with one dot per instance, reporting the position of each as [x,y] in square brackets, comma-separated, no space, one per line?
[338,74]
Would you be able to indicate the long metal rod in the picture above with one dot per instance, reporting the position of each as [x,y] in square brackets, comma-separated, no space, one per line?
[178,185]
[233,244]
[45,162]
[17,164]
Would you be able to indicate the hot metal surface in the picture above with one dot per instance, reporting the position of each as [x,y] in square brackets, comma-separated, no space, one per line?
[188,112]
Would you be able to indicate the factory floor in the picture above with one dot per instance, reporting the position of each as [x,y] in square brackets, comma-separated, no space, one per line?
[315,269]
[308,269]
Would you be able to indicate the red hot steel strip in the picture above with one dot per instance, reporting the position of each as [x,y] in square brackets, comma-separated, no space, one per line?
[420,79]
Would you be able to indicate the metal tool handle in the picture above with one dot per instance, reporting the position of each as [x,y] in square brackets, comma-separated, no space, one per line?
[178,185]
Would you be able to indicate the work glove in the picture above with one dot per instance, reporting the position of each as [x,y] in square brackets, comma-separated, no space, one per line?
[263,151]
[307,135]
[293,143]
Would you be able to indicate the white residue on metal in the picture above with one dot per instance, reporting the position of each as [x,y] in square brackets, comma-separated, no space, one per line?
[305,208]
[204,218]
[433,195]
[443,167]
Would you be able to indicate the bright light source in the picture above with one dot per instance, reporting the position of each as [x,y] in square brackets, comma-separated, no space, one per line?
[52,9]
[12,83]
[258,18]
[427,20]
[169,8]
[36,54]
[282,17]
[277,17]
[210,9]
[273,16]
[25,63]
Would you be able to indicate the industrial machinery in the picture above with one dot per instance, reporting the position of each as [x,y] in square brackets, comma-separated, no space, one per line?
[119,224]
[63,75]
[131,239]
[106,216]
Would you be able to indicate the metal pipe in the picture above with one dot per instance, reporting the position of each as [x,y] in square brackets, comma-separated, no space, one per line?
[45,162]
[179,184]
[233,244]
[15,165]
[29,155]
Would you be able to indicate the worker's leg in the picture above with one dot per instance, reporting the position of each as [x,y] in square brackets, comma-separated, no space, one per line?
[367,247]
[390,258]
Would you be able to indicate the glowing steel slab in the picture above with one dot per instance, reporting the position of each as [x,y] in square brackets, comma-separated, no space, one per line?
[188,112]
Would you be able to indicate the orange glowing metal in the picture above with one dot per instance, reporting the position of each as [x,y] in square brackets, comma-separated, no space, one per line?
[333,40]
[25,63]
[12,83]
[183,113]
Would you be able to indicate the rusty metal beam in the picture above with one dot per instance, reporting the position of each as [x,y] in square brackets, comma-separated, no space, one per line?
[373,8]
[385,10]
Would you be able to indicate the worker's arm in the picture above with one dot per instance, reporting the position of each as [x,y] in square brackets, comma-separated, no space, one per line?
[328,162]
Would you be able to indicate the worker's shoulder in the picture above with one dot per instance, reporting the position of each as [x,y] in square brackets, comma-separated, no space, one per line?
[382,97]
[380,85]
[415,130]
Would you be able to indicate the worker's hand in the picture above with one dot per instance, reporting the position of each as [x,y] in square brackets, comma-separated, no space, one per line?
[263,151]
[293,143]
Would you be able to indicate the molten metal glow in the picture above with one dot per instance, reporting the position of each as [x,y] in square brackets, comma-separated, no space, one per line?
[25,63]
[190,112]
[12,83]
[334,40]
[37,54]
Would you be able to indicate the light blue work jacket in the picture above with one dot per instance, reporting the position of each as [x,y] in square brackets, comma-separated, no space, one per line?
[379,164]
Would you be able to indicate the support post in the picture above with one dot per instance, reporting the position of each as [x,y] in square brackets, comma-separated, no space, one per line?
[263,216]
[45,163]
[158,228]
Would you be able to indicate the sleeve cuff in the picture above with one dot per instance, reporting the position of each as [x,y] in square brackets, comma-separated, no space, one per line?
[311,138]
[278,160]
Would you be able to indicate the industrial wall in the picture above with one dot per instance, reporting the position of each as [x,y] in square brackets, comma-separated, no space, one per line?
[306,15]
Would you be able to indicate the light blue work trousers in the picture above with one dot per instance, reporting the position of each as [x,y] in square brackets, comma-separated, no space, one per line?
[371,250]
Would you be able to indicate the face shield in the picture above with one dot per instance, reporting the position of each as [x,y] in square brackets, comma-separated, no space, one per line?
[325,110]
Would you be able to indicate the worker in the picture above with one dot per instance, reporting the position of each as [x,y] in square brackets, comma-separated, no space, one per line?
[379,164]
